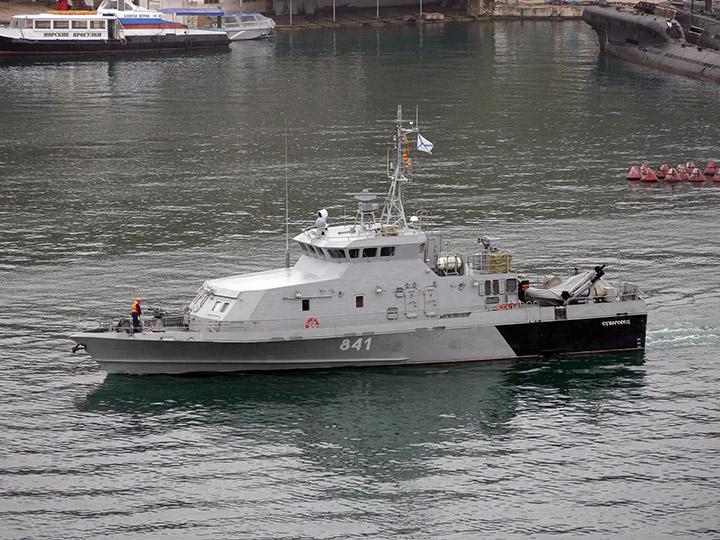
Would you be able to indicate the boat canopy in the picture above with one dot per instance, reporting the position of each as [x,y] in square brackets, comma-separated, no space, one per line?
[208,12]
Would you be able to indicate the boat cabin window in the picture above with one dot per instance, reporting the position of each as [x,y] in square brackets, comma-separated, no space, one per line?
[336,253]
[79,25]
[353,253]
[511,285]
[248,18]
[303,248]
[97,25]
[387,251]
[220,306]
[488,291]
[359,301]
[306,304]
[61,25]
[21,23]
[369,252]
[42,24]
[496,286]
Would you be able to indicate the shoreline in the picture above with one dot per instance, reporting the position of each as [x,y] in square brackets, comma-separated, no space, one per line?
[367,17]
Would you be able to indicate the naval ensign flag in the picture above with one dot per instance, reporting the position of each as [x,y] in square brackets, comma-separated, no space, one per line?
[424,145]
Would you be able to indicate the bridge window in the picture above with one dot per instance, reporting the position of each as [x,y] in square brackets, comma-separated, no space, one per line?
[220,306]
[353,253]
[387,251]
[336,253]
[369,252]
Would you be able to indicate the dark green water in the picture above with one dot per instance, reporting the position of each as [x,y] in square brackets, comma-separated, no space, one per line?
[145,176]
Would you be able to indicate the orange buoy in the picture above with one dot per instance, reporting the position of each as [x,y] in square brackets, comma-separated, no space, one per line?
[696,176]
[683,172]
[672,176]
[634,173]
[711,169]
[662,171]
[648,176]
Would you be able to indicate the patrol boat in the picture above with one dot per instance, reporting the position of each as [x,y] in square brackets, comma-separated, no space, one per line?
[377,291]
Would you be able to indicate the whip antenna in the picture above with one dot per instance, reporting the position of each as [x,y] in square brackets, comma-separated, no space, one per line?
[287,204]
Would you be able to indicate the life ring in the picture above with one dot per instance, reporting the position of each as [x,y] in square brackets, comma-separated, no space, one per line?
[123,41]
[312,322]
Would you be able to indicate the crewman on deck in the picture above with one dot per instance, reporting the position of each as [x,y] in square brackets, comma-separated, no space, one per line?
[135,313]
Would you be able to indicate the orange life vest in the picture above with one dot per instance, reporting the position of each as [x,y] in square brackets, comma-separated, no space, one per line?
[136,308]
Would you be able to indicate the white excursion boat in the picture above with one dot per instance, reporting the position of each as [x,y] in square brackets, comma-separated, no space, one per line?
[118,26]
[243,26]
[375,292]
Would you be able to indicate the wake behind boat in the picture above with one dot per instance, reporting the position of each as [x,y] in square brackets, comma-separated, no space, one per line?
[377,291]
[118,26]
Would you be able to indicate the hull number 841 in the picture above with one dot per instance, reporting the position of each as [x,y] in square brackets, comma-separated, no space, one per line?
[358,344]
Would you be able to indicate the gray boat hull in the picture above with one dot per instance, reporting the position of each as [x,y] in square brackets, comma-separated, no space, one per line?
[432,343]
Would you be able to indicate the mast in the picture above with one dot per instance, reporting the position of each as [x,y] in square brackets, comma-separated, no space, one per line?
[393,212]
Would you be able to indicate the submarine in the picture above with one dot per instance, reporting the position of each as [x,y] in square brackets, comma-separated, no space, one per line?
[668,36]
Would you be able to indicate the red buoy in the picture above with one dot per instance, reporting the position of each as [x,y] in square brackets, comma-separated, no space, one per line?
[711,169]
[690,166]
[648,176]
[634,174]
[683,172]
[696,176]
[672,176]
[716,178]
[662,171]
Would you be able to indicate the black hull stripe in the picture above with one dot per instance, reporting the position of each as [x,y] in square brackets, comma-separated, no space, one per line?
[612,334]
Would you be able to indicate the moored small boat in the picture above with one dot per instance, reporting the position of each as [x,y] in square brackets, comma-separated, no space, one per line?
[245,26]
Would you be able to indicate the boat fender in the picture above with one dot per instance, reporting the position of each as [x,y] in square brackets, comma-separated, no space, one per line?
[79,347]
[123,41]
[312,322]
